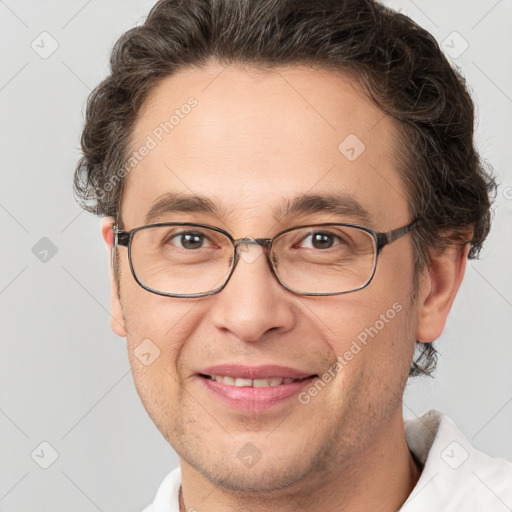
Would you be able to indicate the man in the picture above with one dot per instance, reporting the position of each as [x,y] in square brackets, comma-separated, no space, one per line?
[290,193]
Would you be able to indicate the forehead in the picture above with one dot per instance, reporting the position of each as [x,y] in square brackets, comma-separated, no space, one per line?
[250,140]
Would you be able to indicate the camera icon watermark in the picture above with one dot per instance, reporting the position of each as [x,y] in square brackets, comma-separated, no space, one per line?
[507,192]
[249,455]
[44,250]
[455,455]
[147,352]
[44,45]
[454,45]
[44,455]
[249,252]
[351,147]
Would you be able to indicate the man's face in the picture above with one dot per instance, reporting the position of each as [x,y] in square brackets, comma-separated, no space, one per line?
[254,142]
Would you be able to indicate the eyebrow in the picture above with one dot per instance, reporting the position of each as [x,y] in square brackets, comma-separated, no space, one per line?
[344,205]
[181,203]
[340,204]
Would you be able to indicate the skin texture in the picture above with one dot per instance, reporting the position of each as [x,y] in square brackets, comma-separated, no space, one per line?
[255,140]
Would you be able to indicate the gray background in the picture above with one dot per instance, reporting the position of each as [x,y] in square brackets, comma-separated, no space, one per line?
[64,376]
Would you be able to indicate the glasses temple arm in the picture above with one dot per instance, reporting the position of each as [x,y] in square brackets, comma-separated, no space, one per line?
[120,237]
[390,236]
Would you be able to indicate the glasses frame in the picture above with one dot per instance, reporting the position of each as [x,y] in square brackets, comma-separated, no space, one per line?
[381,239]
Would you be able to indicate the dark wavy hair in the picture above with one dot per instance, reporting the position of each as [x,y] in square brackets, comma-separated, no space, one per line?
[397,63]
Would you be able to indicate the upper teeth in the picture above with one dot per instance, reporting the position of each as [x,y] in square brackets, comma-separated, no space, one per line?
[257,383]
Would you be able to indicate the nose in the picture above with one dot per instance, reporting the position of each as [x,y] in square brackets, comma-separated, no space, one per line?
[253,302]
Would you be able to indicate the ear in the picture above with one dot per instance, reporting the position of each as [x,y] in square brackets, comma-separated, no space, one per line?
[439,286]
[117,322]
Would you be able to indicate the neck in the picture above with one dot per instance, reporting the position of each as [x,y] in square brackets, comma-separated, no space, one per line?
[379,479]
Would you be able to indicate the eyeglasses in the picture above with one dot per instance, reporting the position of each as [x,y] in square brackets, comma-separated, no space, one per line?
[187,260]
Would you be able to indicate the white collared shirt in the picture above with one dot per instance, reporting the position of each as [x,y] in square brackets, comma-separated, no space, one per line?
[456,477]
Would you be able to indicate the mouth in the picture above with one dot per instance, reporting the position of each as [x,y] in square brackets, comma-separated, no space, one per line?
[254,389]
[254,383]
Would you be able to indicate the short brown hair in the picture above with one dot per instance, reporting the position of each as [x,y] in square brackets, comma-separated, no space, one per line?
[398,64]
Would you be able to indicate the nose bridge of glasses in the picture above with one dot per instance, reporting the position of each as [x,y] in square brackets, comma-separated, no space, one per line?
[262,242]
[245,252]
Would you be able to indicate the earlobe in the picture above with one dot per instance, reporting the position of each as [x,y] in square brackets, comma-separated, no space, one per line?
[439,286]
[117,322]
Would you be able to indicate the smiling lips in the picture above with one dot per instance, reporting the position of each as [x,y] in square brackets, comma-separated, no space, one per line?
[257,383]
[254,388]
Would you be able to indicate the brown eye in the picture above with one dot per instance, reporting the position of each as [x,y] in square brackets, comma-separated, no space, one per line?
[319,240]
[188,240]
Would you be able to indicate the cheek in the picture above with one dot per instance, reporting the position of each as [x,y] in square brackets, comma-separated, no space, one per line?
[157,330]
[375,364]
[369,333]
[152,316]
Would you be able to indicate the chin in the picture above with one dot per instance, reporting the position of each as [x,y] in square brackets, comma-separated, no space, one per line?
[267,479]
[266,475]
